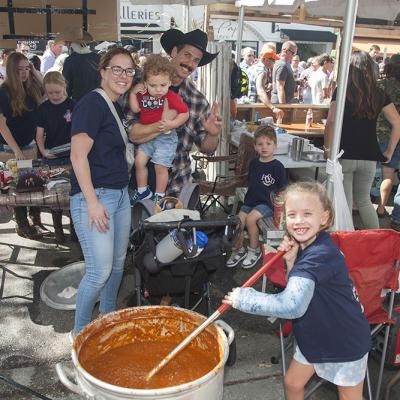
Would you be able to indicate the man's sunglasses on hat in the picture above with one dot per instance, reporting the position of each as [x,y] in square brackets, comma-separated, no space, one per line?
[290,51]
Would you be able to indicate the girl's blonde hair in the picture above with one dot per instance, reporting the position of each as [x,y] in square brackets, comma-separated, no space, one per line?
[54,78]
[17,89]
[312,188]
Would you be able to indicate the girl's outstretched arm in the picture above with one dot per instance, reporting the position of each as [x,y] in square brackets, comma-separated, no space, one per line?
[290,304]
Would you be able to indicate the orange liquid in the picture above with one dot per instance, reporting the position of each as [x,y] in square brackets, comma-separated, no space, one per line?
[127,366]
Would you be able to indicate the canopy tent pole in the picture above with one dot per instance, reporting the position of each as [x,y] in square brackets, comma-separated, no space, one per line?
[186,16]
[345,54]
[239,35]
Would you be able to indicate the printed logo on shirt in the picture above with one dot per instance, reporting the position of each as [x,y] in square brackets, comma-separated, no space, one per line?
[267,180]
[151,103]
[357,297]
[68,115]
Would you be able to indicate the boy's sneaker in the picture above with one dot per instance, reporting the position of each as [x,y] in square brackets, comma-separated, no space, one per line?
[136,196]
[252,258]
[157,197]
[236,257]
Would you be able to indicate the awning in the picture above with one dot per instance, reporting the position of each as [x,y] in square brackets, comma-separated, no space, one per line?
[300,35]
[391,46]
[310,36]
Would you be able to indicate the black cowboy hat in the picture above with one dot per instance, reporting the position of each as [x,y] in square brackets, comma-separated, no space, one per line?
[196,38]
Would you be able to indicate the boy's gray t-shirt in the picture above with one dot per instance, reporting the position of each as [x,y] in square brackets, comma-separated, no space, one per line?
[283,72]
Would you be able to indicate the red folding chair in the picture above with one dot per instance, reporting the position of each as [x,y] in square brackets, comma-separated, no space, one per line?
[373,260]
[276,274]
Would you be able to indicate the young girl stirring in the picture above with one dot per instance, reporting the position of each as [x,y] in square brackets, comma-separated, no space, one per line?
[332,334]
[53,119]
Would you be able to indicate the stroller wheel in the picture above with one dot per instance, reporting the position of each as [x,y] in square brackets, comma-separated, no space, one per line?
[190,196]
[140,211]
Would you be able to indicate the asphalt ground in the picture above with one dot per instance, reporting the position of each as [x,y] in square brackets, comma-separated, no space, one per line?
[34,336]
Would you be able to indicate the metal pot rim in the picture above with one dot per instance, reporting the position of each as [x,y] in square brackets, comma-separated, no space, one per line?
[162,391]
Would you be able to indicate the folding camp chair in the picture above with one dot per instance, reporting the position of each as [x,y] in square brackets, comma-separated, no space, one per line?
[373,261]
[372,258]
[224,185]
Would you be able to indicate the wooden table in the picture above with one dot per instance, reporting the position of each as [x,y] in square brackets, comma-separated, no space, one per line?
[293,113]
[284,158]
[299,129]
[56,198]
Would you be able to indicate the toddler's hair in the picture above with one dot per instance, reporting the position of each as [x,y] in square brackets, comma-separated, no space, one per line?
[267,131]
[313,188]
[157,64]
[55,78]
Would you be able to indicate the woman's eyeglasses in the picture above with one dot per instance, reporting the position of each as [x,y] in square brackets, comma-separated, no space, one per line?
[118,71]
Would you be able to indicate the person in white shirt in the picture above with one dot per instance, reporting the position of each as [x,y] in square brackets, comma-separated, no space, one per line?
[53,50]
[296,68]
[319,80]
[248,59]
[305,78]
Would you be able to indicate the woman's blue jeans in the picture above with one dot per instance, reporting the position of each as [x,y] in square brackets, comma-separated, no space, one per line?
[104,253]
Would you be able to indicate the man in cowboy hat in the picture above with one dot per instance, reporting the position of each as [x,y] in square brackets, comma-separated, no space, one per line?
[187,52]
[81,67]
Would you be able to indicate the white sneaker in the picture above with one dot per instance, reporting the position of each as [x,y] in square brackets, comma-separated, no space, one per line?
[236,257]
[252,258]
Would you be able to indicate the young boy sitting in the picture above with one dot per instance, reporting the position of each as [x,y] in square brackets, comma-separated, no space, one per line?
[266,176]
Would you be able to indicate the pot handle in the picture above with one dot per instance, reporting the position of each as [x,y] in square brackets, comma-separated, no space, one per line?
[230,333]
[64,375]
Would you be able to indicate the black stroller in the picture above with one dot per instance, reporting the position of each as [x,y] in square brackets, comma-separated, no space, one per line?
[185,281]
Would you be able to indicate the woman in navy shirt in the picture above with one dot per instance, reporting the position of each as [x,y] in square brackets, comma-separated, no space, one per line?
[100,206]
[20,95]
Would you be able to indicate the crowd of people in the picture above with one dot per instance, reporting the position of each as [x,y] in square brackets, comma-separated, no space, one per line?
[283,78]
[96,102]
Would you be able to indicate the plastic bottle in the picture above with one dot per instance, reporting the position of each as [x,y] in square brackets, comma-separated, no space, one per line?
[201,241]
[257,118]
[277,202]
[309,118]
[169,248]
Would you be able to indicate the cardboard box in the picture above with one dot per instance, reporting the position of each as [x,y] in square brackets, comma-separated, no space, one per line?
[29,18]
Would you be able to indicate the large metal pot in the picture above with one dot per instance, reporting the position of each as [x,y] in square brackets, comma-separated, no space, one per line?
[166,323]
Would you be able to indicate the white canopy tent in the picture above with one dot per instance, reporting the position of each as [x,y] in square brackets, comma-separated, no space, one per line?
[349,10]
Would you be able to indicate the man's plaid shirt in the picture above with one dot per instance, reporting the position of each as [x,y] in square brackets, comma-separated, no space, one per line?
[192,132]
